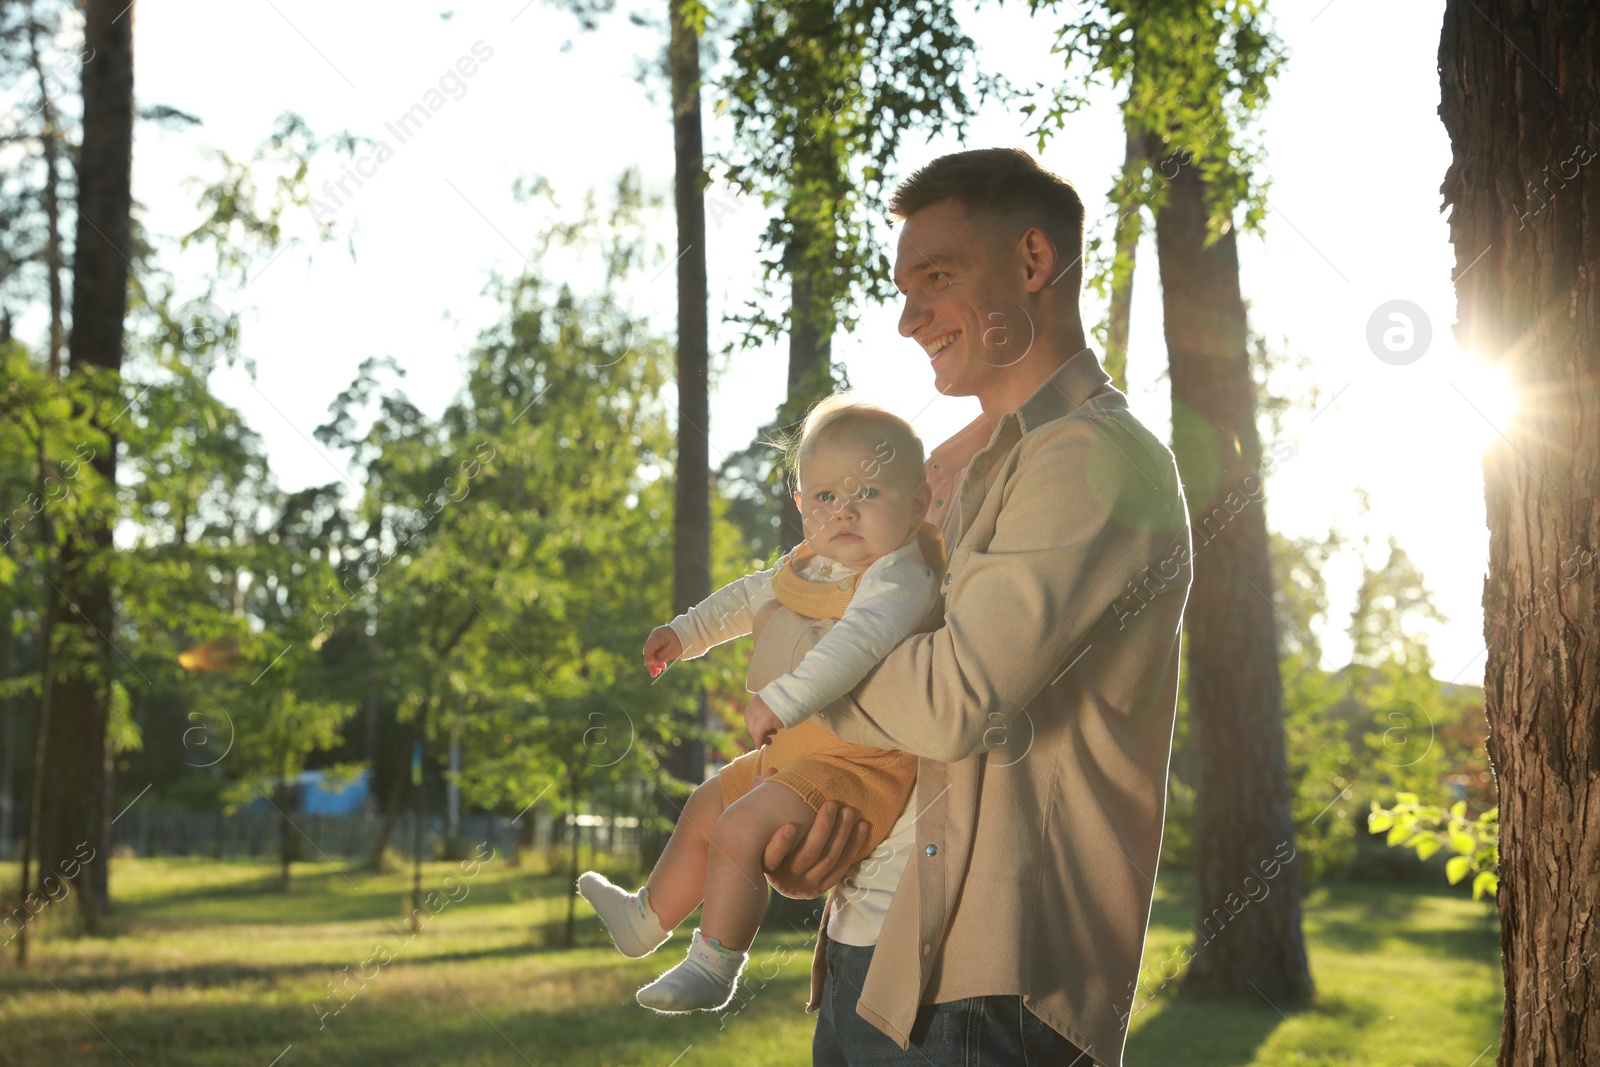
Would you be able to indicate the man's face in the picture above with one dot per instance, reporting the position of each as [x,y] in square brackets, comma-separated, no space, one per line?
[963,295]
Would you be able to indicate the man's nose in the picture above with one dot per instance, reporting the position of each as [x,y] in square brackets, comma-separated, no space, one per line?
[912,317]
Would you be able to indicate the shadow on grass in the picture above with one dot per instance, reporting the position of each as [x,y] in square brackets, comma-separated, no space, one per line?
[320,896]
[584,1017]
[204,976]
[1371,919]
[1224,1031]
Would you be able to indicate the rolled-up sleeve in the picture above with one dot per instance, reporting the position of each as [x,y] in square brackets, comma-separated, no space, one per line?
[1017,613]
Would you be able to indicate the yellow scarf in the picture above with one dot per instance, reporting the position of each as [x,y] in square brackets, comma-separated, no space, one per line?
[827,600]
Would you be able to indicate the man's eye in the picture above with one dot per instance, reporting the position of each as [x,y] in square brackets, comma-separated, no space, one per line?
[939,278]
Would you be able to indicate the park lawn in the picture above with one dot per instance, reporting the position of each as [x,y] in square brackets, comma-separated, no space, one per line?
[207,964]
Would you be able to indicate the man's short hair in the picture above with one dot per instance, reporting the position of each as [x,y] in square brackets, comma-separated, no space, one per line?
[1005,183]
[896,450]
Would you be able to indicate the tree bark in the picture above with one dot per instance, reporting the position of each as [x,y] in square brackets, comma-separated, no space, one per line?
[811,326]
[8,734]
[691,548]
[1520,90]
[1244,828]
[50,140]
[75,758]
[1130,227]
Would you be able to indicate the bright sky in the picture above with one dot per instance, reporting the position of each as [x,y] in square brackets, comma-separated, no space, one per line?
[1356,157]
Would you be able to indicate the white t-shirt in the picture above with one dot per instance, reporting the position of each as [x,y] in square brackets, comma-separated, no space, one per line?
[866,891]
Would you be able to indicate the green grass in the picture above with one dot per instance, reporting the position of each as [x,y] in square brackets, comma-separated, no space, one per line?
[207,964]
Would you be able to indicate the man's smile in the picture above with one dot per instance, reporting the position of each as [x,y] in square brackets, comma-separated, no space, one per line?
[938,344]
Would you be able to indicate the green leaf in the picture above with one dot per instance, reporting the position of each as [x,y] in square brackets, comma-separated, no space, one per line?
[1459,809]
[1486,882]
[1427,847]
[1378,822]
[1397,834]
[1457,868]
[1406,798]
[1463,843]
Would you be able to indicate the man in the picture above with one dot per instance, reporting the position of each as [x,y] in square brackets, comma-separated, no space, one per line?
[1007,915]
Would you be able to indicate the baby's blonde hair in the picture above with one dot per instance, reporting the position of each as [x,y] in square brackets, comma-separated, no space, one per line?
[896,447]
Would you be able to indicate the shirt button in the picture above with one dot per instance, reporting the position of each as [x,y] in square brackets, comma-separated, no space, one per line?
[935,466]
[940,504]
[932,850]
[926,949]
[948,579]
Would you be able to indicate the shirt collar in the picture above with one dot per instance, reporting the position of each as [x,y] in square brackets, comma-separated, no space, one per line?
[1066,390]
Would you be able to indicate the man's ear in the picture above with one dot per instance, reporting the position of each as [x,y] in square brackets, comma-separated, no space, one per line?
[1038,259]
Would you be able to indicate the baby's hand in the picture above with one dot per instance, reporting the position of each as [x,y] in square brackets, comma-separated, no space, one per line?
[761,721]
[660,649]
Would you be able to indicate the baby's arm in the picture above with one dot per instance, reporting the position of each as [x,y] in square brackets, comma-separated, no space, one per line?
[725,614]
[888,607]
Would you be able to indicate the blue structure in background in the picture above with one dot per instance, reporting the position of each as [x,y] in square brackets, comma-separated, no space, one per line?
[317,795]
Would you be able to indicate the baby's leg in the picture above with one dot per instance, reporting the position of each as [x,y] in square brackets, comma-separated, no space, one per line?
[678,883]
[736,894]
[736,885]
[640,922]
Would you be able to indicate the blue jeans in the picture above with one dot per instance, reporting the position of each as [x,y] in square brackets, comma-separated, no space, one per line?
[995,1031]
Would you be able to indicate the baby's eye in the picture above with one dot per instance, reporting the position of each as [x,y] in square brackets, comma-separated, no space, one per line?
[825,497]
[867,494]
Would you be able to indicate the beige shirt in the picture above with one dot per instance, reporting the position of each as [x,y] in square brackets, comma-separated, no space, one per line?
[1042,709]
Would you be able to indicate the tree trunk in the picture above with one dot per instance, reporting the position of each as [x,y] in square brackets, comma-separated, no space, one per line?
[1519,91]
[75,760]
[286,841]
[50,140]
[8,735]
[1243,824]
[1130,226]
[419,808]
[30,838]
[569,938]
[811,325]
[691,547]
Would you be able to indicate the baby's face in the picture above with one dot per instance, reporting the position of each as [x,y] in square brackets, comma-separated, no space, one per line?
[857,502]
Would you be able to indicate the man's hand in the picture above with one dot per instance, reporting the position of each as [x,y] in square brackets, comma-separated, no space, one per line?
[761,721]
[660,649]
[808,867]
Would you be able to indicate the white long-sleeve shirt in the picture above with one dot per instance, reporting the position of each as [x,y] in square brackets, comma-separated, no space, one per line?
[892,599]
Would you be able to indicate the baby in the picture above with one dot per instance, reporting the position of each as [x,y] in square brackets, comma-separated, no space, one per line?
[865,578]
